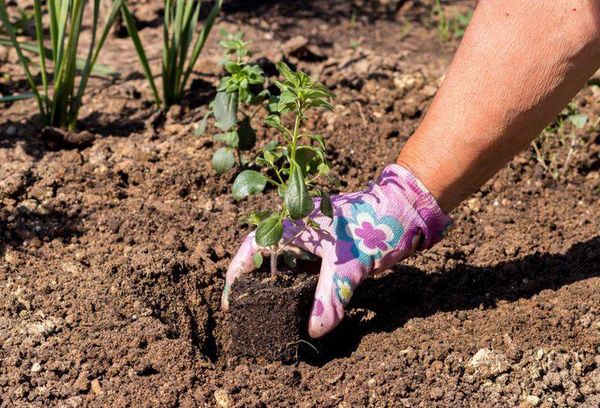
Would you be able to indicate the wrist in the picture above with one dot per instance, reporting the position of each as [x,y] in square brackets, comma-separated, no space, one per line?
[429,177]
[403,188]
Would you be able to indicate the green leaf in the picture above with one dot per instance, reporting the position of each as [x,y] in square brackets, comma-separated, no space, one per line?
[297,199]
[287,100]
[141,52]
[273,105]
[323,168]
[18,97]
[304,255]
[98,69]
[272,145]
[254,73]
[225,108]
[232,67]
[256,217]
[304,156]
[270,157]
[281,190]
[231,139]
[319,103]
[202,125]
[579,120]
[224,83]
[326,207]
[269,231]
[319,139]
[289,259]
[223,160]
[274,121]
[286,72]
[247,135]
[257,258]
[324,90]
[248,182]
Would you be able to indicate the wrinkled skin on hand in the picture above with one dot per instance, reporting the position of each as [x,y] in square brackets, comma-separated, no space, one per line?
[370,231]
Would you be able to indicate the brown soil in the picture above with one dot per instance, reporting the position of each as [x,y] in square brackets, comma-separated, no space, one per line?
[113,244]
[268,316]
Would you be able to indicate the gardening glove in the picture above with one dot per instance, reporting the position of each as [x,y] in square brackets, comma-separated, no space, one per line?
[370,231]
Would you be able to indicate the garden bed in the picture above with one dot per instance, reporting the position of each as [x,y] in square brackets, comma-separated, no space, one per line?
[114,245]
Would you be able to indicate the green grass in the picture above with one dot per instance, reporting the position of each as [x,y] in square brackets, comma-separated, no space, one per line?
[59,95]
[180,51]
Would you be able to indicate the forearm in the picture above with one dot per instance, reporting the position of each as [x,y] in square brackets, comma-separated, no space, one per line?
[519,64]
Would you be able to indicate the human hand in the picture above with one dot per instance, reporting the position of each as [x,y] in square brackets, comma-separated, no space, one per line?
[370,231]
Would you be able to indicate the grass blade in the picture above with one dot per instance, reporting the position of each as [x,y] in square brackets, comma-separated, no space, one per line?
[201,40]
[11,32]
[53,14]
[76,103]
[139,48]
[99,70]
[187,36]
[65,83]
[169,68]
[19,97]
[94,53]
[63,12]
[39,33]
[166,45]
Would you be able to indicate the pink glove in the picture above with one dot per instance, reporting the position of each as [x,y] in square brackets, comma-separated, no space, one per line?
[371,231]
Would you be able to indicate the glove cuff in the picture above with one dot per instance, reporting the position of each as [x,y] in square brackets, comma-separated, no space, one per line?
[435,222]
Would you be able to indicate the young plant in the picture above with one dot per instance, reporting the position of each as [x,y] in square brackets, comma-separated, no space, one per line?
[294,167]
[180,51]
[60,108]
[235,92]
[556,146]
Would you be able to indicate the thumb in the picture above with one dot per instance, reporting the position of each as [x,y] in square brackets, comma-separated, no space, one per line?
[241,263]
[334,290]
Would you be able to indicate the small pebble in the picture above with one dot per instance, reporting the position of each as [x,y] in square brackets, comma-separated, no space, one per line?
[96,387]
[533,400]
[436,393]
[222,398]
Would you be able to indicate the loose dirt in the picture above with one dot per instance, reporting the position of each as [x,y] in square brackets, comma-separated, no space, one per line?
[113,246]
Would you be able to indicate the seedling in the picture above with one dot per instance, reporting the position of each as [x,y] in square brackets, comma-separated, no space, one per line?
[59,108]
[294,167]
[180,52]
[235,92]
[556,146]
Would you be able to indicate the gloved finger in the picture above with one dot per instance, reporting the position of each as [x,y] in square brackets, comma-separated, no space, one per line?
[241,263]
[334,291]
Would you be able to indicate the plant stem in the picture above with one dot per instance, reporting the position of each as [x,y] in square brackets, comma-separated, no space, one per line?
[295,137]
[273,256]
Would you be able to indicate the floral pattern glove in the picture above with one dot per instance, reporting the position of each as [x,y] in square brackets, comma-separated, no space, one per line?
[371,230]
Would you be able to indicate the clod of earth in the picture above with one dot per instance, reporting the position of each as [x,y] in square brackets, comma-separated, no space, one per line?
[268,315]
[488,363]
